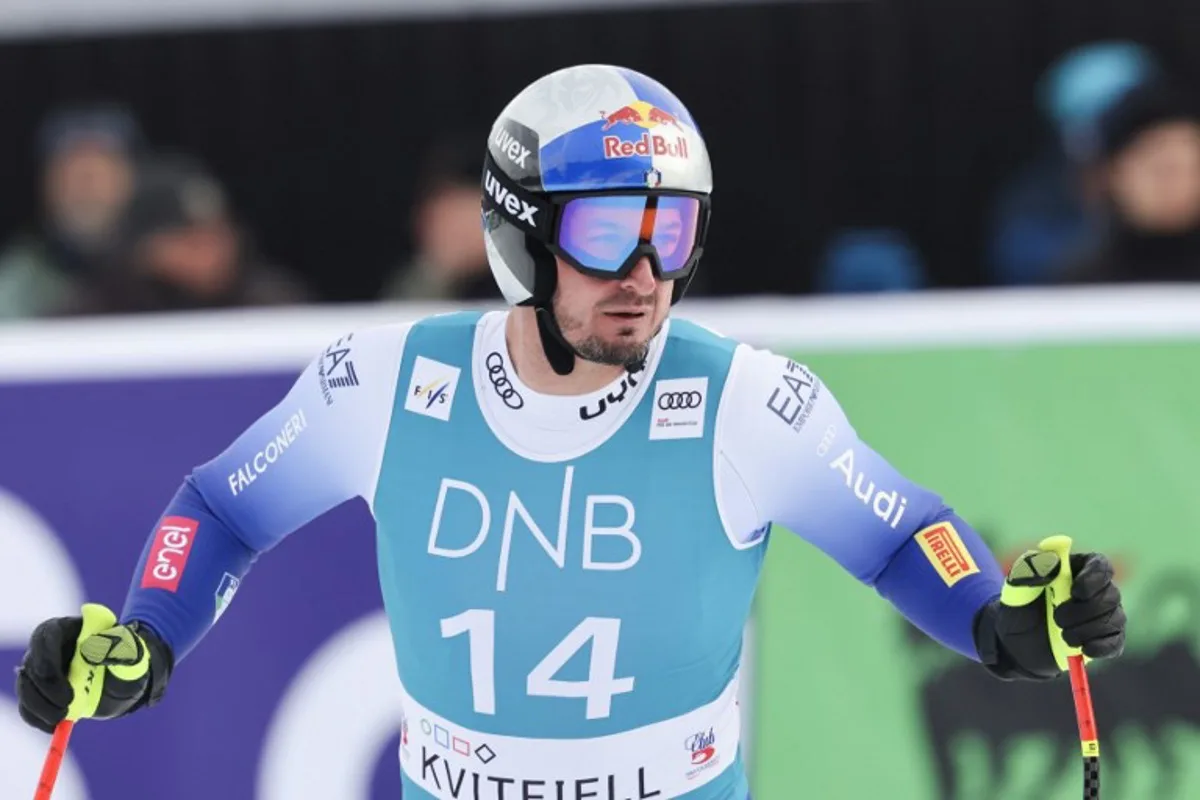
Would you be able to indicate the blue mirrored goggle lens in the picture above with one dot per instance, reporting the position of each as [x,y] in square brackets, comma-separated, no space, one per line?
[674,233]
[602,232]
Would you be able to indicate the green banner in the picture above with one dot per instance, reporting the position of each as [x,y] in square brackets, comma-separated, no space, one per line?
[1100,442]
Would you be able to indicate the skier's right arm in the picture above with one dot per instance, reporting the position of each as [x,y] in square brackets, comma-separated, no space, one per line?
[318,447]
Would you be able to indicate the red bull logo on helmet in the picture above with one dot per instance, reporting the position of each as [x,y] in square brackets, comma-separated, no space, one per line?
[640,114]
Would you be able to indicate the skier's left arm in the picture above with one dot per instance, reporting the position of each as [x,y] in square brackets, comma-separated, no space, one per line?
[803,467]
[787,454]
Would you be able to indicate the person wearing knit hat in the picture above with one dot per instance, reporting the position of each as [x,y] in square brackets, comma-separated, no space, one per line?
[86,154]
[449,259]
[1146,153]
[178,247]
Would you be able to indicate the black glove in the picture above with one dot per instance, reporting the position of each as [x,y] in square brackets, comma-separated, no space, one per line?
[120,668]
[1012,633]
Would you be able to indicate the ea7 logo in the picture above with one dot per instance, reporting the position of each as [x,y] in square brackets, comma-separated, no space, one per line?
[509,145]
[515,206]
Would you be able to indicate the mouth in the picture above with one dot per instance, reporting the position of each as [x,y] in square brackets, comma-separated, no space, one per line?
[627,315]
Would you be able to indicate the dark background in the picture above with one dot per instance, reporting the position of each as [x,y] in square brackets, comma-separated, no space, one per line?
[904,113]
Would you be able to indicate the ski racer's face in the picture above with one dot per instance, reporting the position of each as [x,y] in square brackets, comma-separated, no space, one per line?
[611,321]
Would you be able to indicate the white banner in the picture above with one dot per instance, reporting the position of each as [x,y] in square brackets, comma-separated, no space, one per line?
[241,340]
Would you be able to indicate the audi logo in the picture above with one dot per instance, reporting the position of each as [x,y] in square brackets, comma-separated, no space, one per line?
[498,375]
[671,401]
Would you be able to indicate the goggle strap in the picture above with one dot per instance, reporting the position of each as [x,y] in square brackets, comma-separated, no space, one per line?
[504,198]
[649,220]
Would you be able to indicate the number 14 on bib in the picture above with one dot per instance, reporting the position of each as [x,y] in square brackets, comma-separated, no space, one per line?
[598,689]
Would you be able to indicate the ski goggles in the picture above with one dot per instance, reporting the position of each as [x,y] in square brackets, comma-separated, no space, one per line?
[605,234]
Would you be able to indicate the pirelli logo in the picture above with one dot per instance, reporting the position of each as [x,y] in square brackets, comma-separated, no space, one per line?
[946,551]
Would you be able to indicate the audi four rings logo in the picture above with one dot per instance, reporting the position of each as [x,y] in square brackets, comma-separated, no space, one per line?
[670,401]
[498,375]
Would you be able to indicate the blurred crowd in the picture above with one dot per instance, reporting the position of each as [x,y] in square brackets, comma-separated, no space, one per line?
[125,227]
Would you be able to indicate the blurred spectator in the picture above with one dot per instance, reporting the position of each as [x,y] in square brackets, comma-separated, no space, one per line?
[870,260]
[86,156]
[177,247]
[450,261]
[1147,149]
[1049,208]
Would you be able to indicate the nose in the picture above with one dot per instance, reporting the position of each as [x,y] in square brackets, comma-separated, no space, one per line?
[641,278]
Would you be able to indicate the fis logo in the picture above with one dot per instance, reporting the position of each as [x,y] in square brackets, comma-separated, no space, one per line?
[432,393]
[431,390]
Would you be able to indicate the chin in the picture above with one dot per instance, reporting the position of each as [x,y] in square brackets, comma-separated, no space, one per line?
[639,334]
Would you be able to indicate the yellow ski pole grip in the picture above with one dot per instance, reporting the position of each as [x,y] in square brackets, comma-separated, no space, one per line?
[1058,592]
[82,676]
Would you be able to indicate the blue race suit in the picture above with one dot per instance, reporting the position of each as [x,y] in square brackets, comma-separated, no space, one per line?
[568,579]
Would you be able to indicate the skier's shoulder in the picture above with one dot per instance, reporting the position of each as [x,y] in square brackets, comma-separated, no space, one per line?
[385,342]
[698,342]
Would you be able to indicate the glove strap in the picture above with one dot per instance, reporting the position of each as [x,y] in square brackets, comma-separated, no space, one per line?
[162,664]
[992,654]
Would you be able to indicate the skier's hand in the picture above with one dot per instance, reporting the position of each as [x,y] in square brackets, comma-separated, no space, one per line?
[89,667]
[1033,632]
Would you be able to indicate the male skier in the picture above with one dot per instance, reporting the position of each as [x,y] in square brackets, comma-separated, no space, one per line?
[573,497]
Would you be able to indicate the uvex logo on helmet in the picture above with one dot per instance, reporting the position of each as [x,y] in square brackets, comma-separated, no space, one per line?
[517,208]
[641,114]
[511,147]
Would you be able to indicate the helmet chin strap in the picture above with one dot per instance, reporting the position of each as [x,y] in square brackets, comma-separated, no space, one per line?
[558,350]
